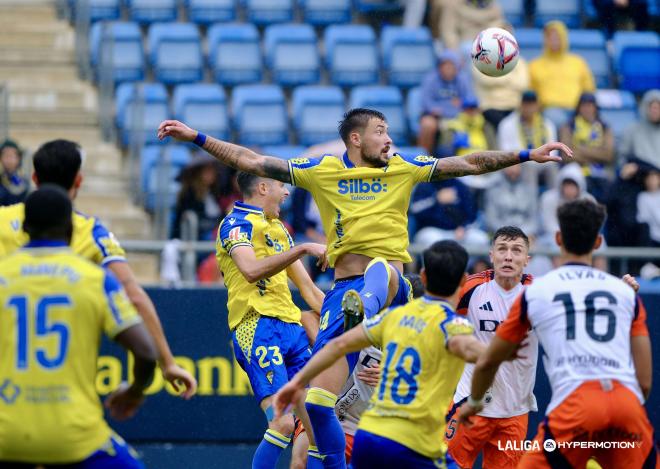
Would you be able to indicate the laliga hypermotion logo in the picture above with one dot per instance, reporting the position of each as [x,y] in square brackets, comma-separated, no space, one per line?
[481,53]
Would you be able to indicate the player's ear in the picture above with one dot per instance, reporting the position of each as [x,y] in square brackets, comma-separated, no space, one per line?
[599,242]
[355,139]
[35,179]
[77,182]
[558,239]
[423,277]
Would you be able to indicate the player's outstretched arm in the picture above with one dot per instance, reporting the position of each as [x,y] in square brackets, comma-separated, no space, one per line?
[489,161]
[309,291]
[254,269]
[293,392]
[172,372]
[236,156]
[126,400]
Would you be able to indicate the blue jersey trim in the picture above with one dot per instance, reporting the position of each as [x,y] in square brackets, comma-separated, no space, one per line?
[111,286]
[420,160]
[46,243]
[347,161]
[242,206]
[99,231]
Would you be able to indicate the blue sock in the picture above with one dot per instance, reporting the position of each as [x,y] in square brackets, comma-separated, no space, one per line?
[329,435]
[314,459]
[269,450]
[376,286]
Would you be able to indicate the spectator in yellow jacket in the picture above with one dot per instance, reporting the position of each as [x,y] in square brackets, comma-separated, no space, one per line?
[558,76]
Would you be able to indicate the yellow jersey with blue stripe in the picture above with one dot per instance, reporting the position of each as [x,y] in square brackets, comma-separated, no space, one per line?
[246,225]
[54,305]
[90,240]
[363,210]
[418,374]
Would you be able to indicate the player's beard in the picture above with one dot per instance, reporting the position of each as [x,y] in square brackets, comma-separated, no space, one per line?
[378,160]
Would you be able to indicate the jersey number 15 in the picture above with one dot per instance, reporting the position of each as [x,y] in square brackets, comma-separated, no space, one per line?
[43,329]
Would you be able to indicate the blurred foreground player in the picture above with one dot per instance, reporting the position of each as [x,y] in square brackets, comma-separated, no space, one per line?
[424,344]
[593,330]
[58,162]
[54,305]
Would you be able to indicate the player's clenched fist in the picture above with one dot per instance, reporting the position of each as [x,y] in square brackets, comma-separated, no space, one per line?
[177,130]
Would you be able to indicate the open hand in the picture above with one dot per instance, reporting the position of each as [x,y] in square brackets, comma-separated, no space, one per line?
[180,379]
[177,130]
[543,154]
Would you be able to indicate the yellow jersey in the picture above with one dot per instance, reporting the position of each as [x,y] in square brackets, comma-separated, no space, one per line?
[53,307]
[363,210]
[91,239]
[246,225]
[418,374]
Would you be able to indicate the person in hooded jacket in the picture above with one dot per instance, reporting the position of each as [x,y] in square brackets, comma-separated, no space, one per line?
[558,76]
[642,140]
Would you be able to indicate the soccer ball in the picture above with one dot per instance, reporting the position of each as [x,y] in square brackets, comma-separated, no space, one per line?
[495,52]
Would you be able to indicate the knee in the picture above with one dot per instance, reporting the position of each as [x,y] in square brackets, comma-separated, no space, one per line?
[283,425]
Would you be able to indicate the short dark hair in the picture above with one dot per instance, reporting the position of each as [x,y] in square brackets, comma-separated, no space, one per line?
[445,263]
[57,162]
[246,183]
[357,118]
[416,284]
[48,212]
[509,233]
[580,222]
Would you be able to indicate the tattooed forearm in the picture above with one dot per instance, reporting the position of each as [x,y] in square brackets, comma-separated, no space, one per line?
[474,163]
[244,159]
[276,168]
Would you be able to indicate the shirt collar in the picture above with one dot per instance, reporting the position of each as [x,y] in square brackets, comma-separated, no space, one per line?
[347,161]
[434,299]
[576,264]
[46,243]
[242,206]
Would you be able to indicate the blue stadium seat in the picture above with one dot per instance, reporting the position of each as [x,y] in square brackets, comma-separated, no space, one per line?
[99,10]
[326,12]
[175,52]
[414,109]
[623,39]
[388,100]
[408,55]
[285,152]
[121,44]
[259,115]
[411,152]
[202,106]
[211,11]
[590,44]
[514,11]
[351,55]
[155,160]
[567,11]
[639,68]
[530,42]
[316,112]
[265,12]
[292,54]
[378,6]
[146,102]
[234,53]
[615,99]
[152,11]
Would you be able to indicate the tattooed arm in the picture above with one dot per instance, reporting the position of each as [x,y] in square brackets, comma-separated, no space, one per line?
[235,156]
[489,161]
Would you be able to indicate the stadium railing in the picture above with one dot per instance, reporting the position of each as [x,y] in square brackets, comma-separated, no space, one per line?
[4,112]
[190,249]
